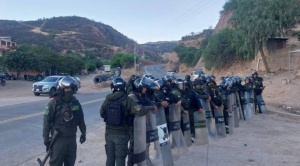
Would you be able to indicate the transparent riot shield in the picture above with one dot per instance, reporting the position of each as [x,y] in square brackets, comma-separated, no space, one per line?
[230,113]
[186,129]
[220,123]
[201,132]
[152,137]
[261,103]
[240,106]
[164,152]
[252,106]
[247,105]
[139,143]
[210,120]
[179,144]
[235,111]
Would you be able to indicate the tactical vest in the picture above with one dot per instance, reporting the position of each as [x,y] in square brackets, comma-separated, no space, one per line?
[67,128]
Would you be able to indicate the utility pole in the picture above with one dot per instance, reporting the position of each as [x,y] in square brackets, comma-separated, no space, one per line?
[134,57]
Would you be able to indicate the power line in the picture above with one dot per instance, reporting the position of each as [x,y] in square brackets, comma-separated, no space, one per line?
[182,16]
[188,15]
[195,14]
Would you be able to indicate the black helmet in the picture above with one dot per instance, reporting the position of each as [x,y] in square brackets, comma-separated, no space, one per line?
[203,79]
[254,72]
[132,77]
[118,84]
[213,77]
[65,82]
[187,77]
[159,82]
[198,81]
[209,79]
[150,76]
[144,82]
[187,85]
[180,83]
[137,86]
[247,78]
[168,79]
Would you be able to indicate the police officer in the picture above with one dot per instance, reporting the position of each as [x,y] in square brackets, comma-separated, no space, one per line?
[64,113]
[117,136]
[215,95]
[190,104]
[144,102]
[258,88]
[166,97]
[188,80]
[129,85]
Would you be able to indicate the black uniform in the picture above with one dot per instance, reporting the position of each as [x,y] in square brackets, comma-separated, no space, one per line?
[258,89]
[190,102]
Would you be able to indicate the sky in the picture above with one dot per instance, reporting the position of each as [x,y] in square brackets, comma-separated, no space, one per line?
[141,20]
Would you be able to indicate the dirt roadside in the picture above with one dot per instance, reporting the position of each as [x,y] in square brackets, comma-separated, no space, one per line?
[265,140]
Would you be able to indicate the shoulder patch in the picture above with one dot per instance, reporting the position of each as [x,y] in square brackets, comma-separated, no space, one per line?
[75,107]
[47,110]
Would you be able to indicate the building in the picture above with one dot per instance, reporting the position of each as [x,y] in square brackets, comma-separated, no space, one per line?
[6,43]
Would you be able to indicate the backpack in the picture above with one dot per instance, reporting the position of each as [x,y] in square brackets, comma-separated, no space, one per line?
[115,112]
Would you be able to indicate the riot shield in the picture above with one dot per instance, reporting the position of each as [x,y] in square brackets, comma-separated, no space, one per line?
[164,152]
[152,136]
[252,106]
[186,129]
[235,111]
[240,106]
[139,143]
[220,123]
[179,143]
[210,121]
[201,132]
[230,113]
[261,103]
[247,105]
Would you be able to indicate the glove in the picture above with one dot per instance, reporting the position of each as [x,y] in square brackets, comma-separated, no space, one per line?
[82,138]
[47,144]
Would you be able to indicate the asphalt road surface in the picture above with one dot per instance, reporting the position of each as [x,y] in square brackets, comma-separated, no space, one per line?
[21,127]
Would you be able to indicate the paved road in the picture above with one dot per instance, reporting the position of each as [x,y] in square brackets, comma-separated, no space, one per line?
[21,127]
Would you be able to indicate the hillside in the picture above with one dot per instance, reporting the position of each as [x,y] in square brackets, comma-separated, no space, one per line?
[68,33]
[158,49]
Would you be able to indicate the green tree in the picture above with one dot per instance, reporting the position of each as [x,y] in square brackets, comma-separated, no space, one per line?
[219,52]
[19,60]
[255,21]
[123,60]
[91,67]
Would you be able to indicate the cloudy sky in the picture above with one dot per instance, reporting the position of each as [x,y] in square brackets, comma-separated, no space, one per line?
[141,20]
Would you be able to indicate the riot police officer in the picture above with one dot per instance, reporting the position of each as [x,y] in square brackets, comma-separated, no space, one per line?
[64,113]
[141,98]
[258,88]
[188,80]
[117,128]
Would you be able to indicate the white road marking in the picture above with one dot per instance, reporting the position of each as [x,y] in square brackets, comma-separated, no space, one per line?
[41,113]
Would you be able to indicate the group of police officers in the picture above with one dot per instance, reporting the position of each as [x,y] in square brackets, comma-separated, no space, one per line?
[169,113]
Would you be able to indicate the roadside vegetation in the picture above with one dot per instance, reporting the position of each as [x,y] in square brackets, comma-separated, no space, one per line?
[35,58]
[252,23]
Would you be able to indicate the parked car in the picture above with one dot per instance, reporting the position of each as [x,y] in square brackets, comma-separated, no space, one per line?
[49,84]
[197,73]
[6,76]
